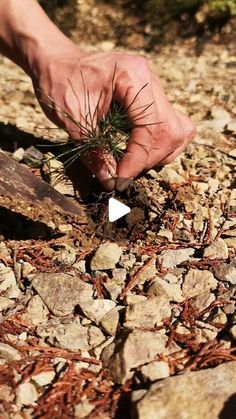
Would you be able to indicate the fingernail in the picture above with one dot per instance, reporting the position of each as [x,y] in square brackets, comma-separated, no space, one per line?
[109,184]
[122,184]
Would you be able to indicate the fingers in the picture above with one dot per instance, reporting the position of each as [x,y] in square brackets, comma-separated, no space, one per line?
[103,166]
[159,143]
[189,132]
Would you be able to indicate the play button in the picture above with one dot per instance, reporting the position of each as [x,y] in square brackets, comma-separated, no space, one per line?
[116,210]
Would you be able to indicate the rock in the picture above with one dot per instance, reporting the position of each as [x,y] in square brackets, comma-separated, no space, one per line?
[18,154]
[7,278]
[202,301]
[155,371]
[219,318]
[127,261]
[44,378]
[61,292]
[205,332]
[67,256]
[107,45]
[226,272]
[172,258]
[26,394]
[75,337]
[95,310]
[5,254]
[26,269]
[65,228]
[232,126]
[163,288]
[110,321]
[106,257]
[83,409]
[232,332]
[198,281]
[36,311]
[204,394]
[6,394]
[113,288]
[217,250]
[130,350]
[167,234]
[148,313]
[80,266]
[135,216]
[148,273]
[9,353]
[135,298]
[5,303]
[119,275]
[169,175]
[115,285]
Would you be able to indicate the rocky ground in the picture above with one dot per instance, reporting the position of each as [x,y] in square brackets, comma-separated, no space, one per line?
[126,319]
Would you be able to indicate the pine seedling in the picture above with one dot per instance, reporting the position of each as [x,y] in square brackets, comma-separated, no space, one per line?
[107,136]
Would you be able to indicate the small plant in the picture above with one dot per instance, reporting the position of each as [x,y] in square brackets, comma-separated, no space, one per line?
[108,136]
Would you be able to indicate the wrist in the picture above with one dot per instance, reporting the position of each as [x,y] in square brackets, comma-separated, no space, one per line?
[30,42]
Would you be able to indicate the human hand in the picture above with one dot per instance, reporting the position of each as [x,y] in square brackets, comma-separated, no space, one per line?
[83,86]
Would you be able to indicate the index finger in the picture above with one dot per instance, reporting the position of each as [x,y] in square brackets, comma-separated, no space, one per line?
[139,103]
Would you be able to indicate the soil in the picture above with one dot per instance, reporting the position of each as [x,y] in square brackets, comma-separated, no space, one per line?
[176,248]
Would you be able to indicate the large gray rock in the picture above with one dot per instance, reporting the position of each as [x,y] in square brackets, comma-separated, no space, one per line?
[217,250]
[198,281]
[149,313]
[172,258]
[95,310]
[72,336]
[226,272]
[131,350]
[61,292]
[208,394]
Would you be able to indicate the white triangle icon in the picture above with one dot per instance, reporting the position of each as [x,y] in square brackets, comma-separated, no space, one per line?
[116,209]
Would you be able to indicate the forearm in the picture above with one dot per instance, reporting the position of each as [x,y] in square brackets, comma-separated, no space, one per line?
[27,36]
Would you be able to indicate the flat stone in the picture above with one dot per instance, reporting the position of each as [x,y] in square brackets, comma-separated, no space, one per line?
[44,378]
[7,278]
[169,175]
[155,371]
[67,256]
[83,409]
[61,292]
[172,258]
[197,281]
[130,350]
[207,394]
[26,394]
[4,252]
[110,321]
[36,311]
[95,310]
[202,301]
[226,272]
[5,303]
[106,257]
[161,287]
[75,337]
[27,268]
[217,250]
[147,313]
[9,353]
[119,275]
